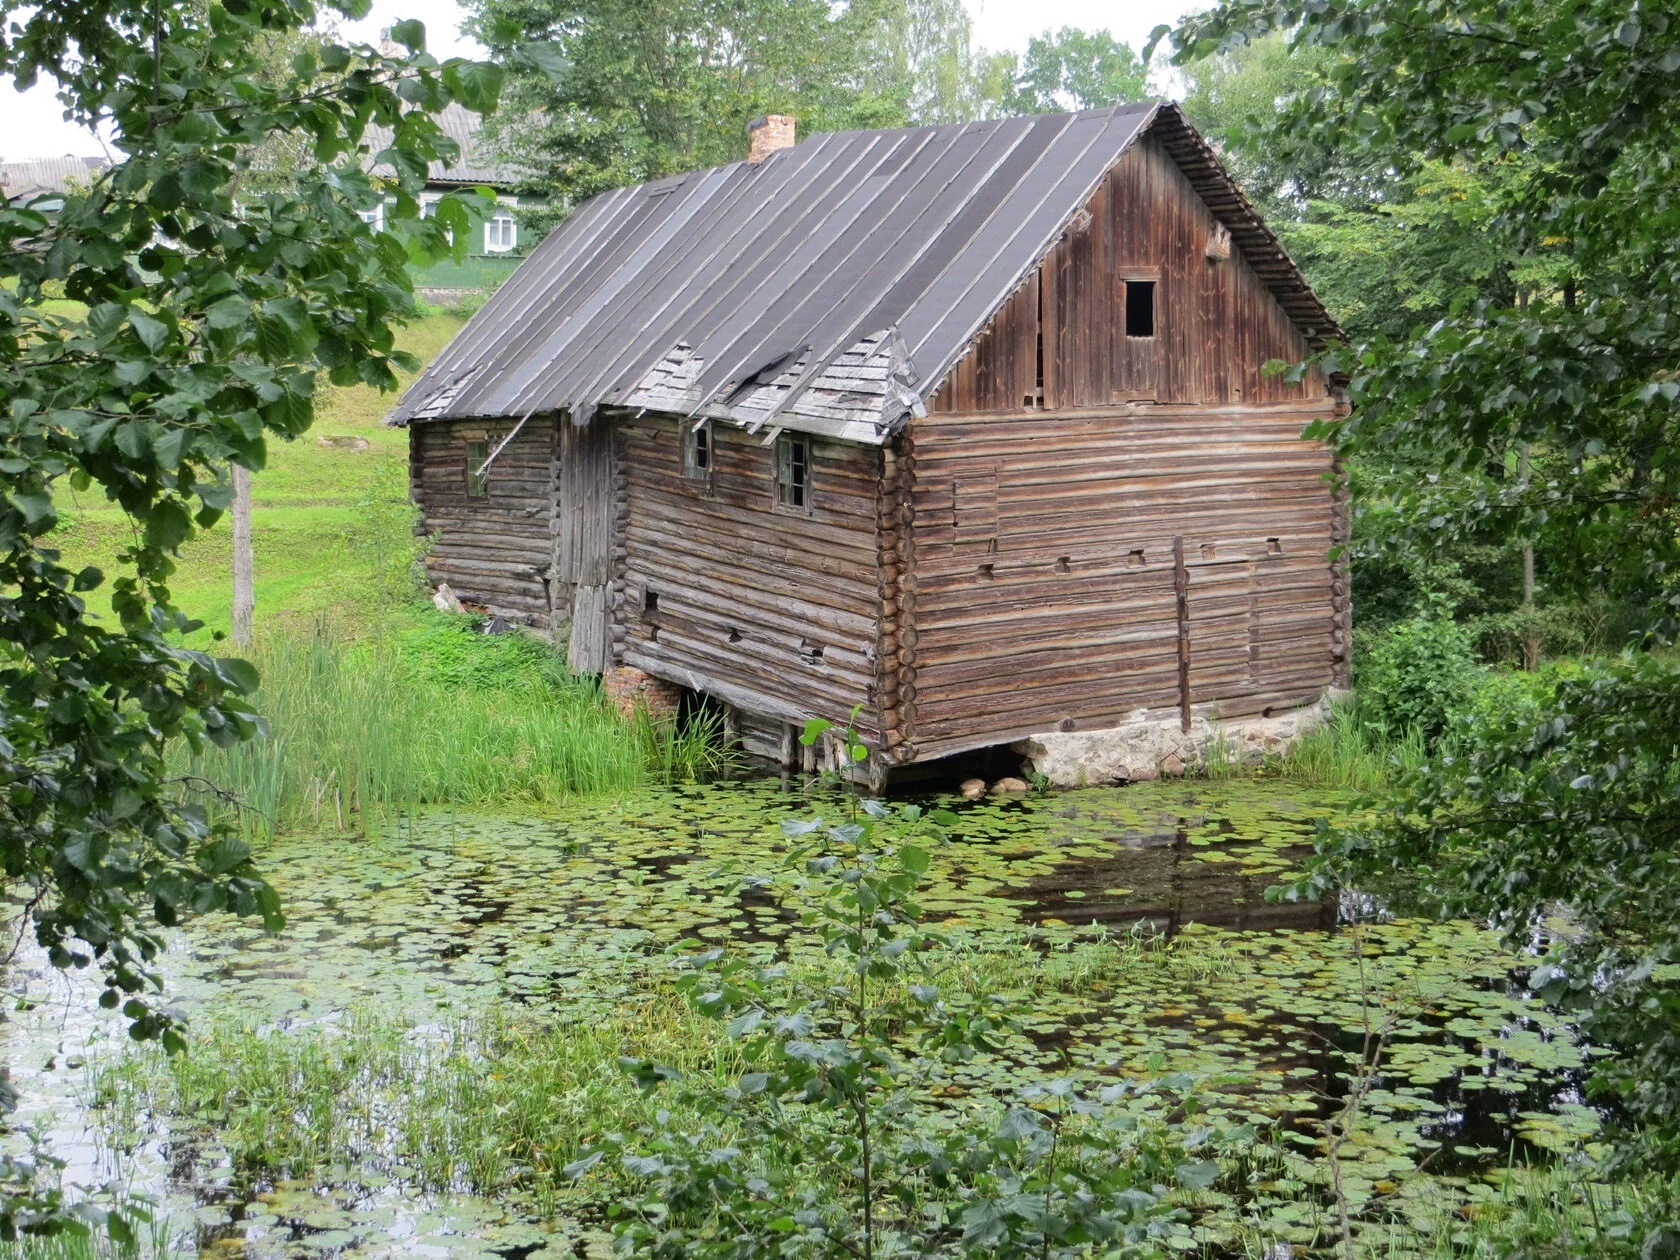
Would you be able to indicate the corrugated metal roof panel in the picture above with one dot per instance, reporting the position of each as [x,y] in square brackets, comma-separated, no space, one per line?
[736,292]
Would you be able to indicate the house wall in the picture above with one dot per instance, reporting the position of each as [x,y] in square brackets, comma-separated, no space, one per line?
[1047,593]
[493,550]
[744,592]
[1120,523]
[1216,322]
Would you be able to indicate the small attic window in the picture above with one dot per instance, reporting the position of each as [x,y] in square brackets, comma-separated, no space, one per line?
[1140,308]
[697,452]
[793,472]
[477,453]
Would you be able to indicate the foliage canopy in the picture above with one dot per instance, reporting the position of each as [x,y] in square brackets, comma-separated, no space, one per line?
[155,328]
[1544,414]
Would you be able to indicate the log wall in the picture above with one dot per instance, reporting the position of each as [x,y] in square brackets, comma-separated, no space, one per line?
[495,550]
[772,611]
[1060,342]
[1046,595]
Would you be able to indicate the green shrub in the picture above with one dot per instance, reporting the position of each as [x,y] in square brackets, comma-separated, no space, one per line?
[1416,677]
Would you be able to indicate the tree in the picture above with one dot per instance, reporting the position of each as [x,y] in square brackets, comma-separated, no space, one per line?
[1575,800]
[1074,69]
[155,331]
[627,91]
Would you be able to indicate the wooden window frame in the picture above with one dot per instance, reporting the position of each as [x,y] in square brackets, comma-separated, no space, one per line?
[793,475]
[478,484]
[1153,280]
[699,453]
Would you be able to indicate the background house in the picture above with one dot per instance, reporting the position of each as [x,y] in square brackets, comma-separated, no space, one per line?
[496,241]
[22,182]
[969,426]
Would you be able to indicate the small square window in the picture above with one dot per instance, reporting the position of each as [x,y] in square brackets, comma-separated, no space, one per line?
[374,217]
[477,453]
[1140,308]
[697,452]
[793,471]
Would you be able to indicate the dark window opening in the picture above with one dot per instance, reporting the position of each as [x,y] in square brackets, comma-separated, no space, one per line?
[1140,308]
[1038,348]
[734,635]
[477,453]
[810,653]
[650,602]
[793,471]
[697,453]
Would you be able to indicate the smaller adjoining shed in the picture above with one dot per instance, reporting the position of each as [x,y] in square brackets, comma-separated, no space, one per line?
[969,426]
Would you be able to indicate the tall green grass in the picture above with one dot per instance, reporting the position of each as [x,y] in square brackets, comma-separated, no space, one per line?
[437,714]
[1346,752]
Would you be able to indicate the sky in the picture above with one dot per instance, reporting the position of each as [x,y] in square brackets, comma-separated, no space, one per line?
[32,123]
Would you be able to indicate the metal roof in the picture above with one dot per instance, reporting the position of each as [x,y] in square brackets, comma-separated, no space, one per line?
[19,181]
[828,289]
[473,164]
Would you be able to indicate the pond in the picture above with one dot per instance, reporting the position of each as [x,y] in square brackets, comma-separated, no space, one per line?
[1146,902]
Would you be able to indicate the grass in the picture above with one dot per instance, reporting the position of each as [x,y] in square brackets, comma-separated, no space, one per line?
[376,702]
[433,712]
[331,522]
[1342,752]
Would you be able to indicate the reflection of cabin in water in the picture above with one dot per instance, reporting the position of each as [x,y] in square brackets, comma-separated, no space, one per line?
[966,425]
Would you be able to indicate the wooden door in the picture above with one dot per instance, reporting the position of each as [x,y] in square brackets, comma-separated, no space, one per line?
[582,526]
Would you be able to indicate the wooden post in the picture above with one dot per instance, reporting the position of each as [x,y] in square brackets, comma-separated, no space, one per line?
[1181,593]
[1531,641]
[244,594]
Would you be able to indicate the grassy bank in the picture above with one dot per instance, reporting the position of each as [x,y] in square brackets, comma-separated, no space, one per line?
[427,711]
[331,522]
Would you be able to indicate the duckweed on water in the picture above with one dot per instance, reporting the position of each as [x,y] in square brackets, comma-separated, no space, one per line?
[443,1015]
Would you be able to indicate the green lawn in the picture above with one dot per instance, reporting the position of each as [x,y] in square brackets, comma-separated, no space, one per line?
[330,517]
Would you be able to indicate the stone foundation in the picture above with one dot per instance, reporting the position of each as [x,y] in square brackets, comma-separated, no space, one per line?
[1152,743]
[630,689]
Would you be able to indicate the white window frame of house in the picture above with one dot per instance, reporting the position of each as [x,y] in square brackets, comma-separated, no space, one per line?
[374,218]
[499,225]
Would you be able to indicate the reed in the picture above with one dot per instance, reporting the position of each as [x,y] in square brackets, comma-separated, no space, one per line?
[1346,752]
[358,731]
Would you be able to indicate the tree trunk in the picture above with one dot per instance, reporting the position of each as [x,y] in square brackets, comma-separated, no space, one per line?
[244,596]
[1531,641]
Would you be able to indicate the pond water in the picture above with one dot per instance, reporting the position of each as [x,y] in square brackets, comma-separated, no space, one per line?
[562,916]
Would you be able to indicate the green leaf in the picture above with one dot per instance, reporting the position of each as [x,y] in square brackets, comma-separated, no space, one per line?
[1199,1175]
[153,333]
[915,860]
[476,84]
[230,312]
[410,33]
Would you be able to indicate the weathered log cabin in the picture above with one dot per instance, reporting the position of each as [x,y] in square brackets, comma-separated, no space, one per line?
[970,426]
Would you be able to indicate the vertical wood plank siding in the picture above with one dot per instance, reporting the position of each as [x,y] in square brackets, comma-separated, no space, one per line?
[1216,323]
[493,550]
[1066,615]
[773,611]
[581,567]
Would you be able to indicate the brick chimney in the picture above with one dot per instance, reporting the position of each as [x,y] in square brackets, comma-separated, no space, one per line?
[767,133]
